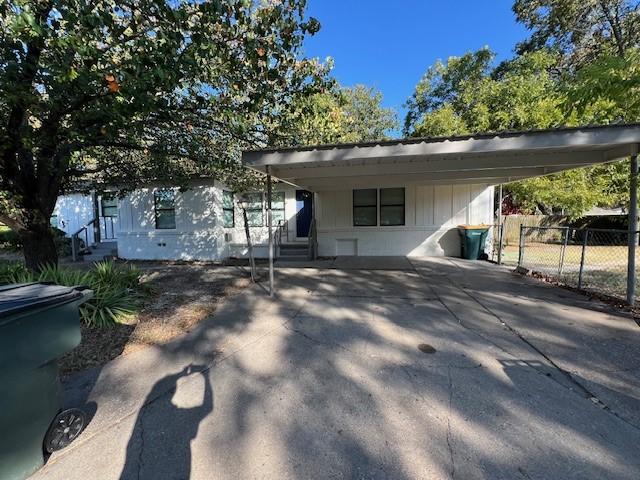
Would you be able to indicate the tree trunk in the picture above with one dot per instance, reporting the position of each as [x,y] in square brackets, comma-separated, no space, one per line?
[38,246]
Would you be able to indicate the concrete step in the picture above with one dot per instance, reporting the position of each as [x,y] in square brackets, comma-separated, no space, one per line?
[296,246]
[293,258]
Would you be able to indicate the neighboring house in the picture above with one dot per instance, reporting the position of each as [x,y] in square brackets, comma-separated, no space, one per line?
[401,197]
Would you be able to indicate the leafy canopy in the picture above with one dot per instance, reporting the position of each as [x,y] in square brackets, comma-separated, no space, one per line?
[139,90]
[342,114]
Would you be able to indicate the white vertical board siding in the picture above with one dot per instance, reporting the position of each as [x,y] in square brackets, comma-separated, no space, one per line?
[199,234]
[432,213]
[74,211]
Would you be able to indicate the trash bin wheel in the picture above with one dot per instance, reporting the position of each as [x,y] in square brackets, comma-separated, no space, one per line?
[64,429]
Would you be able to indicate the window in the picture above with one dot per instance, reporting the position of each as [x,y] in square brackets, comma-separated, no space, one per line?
[391,206]
[254,210]
[165,209]
[365,207]
[228,216]
[109,205]
[277,208]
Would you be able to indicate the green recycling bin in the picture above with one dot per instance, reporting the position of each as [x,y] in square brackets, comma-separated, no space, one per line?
[473,238]
[39,322]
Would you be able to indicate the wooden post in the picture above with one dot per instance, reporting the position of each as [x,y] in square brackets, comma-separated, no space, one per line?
[269,226]
[633,229]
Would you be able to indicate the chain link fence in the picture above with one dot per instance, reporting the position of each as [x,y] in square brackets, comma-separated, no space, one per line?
[588,259]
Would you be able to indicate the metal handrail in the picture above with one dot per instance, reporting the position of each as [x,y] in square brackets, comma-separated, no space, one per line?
[75,238]
[283,225]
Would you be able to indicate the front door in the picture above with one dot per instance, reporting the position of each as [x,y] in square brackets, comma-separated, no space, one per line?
[304,211]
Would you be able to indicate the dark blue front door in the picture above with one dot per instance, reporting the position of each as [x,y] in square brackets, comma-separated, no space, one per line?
[304,207]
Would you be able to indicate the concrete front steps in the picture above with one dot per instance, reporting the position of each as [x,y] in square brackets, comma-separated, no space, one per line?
[294,252]
[101,251]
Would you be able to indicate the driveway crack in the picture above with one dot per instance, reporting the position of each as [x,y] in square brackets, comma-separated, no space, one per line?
[585,391]
[449,435]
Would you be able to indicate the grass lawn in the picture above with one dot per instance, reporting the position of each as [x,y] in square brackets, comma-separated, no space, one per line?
[605,266]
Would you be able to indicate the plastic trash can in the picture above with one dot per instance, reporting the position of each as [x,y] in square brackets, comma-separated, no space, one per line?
[39,322]
[473,238]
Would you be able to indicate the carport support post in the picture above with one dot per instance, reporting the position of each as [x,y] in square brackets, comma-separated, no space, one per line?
[269,226]
[633,228]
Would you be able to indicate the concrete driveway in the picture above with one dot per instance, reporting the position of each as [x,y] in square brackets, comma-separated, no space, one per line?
[444,369]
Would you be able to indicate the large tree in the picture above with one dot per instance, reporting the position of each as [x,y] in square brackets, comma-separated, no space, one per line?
[339,114]
[524,93]
[582,30]
[137,90]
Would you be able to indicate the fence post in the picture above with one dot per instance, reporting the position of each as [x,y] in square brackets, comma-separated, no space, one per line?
[521,246]
[633,229]
[564,249]
[584,248]
[500,240]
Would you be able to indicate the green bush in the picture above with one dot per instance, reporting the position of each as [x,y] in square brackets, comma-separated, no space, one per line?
[116,288]
[9,240]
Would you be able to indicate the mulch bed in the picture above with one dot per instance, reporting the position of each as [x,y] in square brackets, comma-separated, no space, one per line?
[181,296]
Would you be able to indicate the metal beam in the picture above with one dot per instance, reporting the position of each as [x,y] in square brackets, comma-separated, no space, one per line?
[430,165]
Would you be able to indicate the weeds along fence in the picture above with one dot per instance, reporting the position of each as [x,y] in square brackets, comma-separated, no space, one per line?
[588,259]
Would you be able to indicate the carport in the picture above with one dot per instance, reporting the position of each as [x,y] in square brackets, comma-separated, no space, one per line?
[484,160]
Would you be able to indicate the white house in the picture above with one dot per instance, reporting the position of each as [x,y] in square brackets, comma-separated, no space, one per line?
[400,197]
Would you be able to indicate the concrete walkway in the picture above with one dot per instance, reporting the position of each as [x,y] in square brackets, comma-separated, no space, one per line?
[513,379]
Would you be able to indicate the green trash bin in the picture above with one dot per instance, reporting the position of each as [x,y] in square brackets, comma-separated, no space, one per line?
[473,238]
[39,322]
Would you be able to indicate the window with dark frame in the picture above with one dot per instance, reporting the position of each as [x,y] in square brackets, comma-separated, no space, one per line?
[165,210]
[365,207]
[391,206]
[277,208]
[255,210]
[228,213]
[109,206]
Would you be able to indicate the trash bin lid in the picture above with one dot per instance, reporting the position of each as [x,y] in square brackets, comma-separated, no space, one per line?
[30,296]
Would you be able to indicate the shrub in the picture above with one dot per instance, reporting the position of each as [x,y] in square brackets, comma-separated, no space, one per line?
[116,288]
[9,240]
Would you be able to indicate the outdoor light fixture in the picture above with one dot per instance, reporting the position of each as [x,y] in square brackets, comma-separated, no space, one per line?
[243,202]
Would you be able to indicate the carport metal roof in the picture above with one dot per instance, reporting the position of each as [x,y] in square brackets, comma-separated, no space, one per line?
[486,158]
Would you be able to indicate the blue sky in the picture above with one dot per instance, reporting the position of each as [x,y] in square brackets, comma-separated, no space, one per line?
[390,44]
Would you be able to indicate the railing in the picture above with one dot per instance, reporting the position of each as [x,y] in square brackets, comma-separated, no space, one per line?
[106,222]
[312,241]
[75,239]
[281,228]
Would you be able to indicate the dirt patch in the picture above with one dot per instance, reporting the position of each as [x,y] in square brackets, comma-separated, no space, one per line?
[180,296]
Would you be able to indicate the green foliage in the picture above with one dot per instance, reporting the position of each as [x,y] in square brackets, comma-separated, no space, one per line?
[10,240]
[466,95]
[342,114]
[529,93]
[116,288]
[608,89]
[582,30]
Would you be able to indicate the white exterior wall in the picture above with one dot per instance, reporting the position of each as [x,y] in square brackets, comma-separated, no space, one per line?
[74,211]
[199,232]
[432,213]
